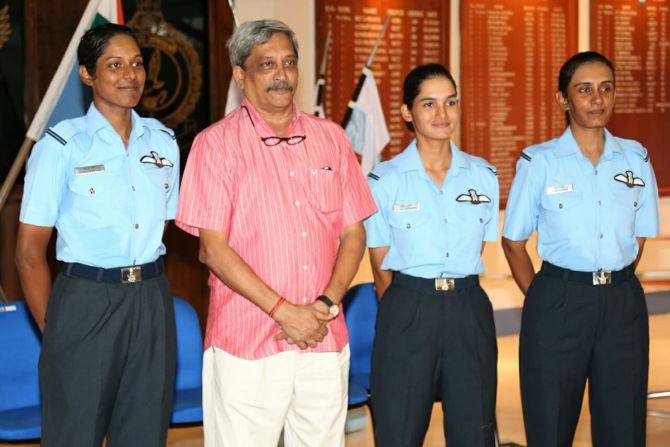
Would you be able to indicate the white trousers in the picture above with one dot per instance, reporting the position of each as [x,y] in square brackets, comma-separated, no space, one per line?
[247,403]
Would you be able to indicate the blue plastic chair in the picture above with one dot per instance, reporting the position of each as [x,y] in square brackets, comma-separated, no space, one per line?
[360,312]
[20,400]
[187,401]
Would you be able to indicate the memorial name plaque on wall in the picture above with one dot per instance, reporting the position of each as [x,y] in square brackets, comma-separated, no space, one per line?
[634,35]
[417,34]
[511,53]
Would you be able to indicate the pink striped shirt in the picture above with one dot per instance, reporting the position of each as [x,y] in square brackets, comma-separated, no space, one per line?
[282,207]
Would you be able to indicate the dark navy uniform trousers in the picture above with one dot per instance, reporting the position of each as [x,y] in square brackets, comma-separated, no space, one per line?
[572,331]
[433,344]
[107,364]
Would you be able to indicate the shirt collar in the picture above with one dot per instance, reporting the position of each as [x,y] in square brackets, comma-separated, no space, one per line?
[410,160]
[567,145]
[95,121]
[263,128]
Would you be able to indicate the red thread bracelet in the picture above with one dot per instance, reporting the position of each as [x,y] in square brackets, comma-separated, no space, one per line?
[279,302]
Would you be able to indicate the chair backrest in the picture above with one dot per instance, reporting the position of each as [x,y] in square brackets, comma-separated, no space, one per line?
[20,344]
[360,312]
[189,346]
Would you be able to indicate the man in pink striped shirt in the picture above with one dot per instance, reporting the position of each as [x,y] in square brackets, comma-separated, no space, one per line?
[277,199]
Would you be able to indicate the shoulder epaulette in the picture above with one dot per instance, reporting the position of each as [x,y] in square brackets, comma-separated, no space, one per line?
[526,157]
[56,137]
[153,123]
[373,176]
[63,131]
[169,132]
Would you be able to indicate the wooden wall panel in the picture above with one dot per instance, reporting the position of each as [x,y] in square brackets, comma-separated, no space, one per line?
[511,55]
[636,37]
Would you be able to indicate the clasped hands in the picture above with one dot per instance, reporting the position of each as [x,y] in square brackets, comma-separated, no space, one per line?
[304,325]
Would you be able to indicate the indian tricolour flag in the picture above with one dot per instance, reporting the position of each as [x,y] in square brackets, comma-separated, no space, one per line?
[66,96]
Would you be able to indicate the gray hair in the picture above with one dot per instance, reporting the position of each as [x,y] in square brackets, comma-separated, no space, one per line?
[257,32]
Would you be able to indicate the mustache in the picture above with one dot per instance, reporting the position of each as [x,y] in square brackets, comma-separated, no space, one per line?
[279,85]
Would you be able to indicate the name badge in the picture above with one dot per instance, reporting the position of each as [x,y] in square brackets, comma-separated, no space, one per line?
[402,207]
[559,189]
[85,170]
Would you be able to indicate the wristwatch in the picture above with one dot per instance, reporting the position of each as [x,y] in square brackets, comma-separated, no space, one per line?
[333,308]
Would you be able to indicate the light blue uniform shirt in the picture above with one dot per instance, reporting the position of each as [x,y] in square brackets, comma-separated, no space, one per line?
[108,204]
[433,232]
[587,217]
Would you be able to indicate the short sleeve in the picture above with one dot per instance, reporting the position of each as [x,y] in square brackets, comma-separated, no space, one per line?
[646,218]
[208,186]
[522,212]
[174,181]
[45,182]
[357,201]
[377,228]
[491,227]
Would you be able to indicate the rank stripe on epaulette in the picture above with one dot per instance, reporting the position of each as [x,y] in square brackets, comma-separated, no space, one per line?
[373,176]
[525,156]
[646,159]
[173,136]
[492,170]
[56,137]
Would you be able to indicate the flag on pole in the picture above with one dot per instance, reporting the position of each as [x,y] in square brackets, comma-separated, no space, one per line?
[235,95]
[66,96]
[320,87]
[367,126]
[234,98]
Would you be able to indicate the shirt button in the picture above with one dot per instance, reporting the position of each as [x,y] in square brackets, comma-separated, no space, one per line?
[137,226]
[304,299]
[600,203]
[601,235]
[445,220]
[291,173]
[297,203]
[634,203]
[133,188]
[303,234]
[408,226]
[166,186]
[596,172]
[560,205]
[441,192]
[481,220]
[305,267]
[447,254]
[92,190]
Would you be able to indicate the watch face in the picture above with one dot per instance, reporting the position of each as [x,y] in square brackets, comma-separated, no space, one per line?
[334,310]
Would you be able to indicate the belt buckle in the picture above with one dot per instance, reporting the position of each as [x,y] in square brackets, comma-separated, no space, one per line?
[602,277]
[445,284]
[131,275]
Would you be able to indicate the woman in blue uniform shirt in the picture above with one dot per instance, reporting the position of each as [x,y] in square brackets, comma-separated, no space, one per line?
[593,199]
[108,182]
[435,334]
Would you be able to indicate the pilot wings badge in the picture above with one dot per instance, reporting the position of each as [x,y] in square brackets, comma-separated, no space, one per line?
[473,197]
[156,159]
[629,179]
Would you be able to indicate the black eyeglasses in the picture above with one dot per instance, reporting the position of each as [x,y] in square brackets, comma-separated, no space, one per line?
[274,141]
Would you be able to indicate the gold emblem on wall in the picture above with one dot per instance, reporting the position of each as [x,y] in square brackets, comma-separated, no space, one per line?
[5,26]
[174,70]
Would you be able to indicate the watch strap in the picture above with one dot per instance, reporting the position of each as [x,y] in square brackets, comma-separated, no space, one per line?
[324,299]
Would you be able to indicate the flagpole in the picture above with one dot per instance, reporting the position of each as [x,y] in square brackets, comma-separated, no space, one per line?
[364,74]
[321,82]
[48,102]
[231,3]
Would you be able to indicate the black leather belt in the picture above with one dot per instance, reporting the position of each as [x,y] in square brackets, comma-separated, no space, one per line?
[435,284]
[598,278]
[120,275]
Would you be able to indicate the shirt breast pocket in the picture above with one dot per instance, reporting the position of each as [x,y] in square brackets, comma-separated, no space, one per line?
[408,230]
[94,199]
[159,178]
[325,190]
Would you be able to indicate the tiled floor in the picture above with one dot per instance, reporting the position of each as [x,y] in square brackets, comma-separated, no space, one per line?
[509,407]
